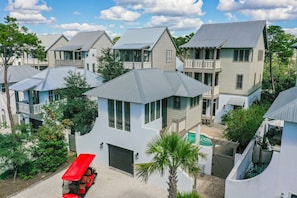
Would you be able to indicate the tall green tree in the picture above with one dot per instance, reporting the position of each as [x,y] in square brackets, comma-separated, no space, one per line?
[109,67]
[278,57]
[51,148]
[14,42]
[15,149]
[78,108]
[169,153]
[180,41]
[242,124]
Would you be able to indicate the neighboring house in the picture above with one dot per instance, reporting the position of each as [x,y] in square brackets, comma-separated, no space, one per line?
[229,57]
[48,42]
[137,107]
[15,74]
[83,50]
[279,178]
[146,48]
[44,87]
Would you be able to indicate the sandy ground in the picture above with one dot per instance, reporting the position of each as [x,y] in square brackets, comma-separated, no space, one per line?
[109,183]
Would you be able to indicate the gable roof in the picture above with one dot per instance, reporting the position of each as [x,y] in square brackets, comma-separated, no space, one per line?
[53,78]
[82,41]
[140,38]
[284,107]
[229,35]
[147,85]
[17,73]
[47,41]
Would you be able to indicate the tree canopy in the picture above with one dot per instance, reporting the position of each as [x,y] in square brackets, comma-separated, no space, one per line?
[109,67]
[14,42]
[179,41]
[78,108]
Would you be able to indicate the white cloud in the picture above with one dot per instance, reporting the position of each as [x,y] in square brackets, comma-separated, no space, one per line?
[273,10]
[175,23]
[291,31]
[76,13]
[119,13]
[230,16]
[29,11]
[166,7]
[80,27]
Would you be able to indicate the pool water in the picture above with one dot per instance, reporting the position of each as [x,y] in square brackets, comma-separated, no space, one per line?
[204,141]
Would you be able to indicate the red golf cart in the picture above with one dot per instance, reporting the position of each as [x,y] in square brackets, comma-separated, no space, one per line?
[79,177]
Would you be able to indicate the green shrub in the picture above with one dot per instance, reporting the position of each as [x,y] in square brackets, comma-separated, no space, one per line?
[188,195]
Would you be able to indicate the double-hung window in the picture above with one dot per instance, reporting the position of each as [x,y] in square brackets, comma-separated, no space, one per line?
[239,81]
[241,55]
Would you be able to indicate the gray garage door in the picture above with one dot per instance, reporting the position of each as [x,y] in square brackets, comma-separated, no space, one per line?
[121,158]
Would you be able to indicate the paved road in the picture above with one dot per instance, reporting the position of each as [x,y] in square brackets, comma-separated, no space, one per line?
[109,184]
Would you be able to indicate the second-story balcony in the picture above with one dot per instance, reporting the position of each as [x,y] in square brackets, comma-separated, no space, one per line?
[216,91]
[68,62]
[137,65]
[23,107]
[202,64]
[34,62]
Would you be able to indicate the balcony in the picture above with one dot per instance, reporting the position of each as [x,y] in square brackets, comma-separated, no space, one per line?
[25,108]
[137,65]
[175,126]
[34,62]
[202,64]
[216,91]
[76,63]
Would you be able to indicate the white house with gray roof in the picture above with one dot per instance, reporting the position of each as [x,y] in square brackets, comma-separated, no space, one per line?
[137,107]
[229,57]
[83,50]
[15,74]
[44,87]
[146,48]
[278,180]
[48,42]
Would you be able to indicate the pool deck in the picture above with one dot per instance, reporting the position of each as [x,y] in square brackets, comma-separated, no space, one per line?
[215,131]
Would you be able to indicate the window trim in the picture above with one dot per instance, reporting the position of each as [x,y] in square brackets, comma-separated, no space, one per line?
[239,84]
[169,56]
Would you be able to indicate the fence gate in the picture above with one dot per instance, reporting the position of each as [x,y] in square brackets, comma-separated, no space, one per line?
[223,157]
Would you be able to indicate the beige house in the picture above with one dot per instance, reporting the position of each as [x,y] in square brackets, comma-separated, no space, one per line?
[229,57]
[146,48]
[83,50]
[48,42]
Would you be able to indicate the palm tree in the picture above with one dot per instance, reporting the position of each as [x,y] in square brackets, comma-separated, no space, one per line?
[170,152]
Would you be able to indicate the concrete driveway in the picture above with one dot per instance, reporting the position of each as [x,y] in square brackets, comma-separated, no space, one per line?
[109,184]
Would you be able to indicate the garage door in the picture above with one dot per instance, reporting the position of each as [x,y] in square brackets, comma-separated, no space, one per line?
[121,158]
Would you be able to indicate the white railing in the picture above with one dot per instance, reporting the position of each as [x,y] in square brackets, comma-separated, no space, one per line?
[216,91]
[202,64]
[76,63]
[34,61]
[25,108]
[137,65]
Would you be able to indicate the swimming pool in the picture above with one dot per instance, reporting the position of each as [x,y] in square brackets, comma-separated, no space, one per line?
[204,140]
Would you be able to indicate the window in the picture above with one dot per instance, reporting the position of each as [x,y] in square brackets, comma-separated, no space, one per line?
[119,113]
[169,56]
[3,88]
[88,66]
[239,81]
[176,102]
[217,79]
[127,116]
[241,55]
[35,97]
[188,74]
[153,111]
[218,53]
[147,113]
[54,95]
[293,196]
[111,113]
[195,101]
[158,111]
[260,55]
[93,67]
[208,79]
[198,76]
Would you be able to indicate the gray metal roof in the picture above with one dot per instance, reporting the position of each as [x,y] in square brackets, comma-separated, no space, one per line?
[134,46]
[147,85]
[284,107]
[144,36]
[17,73]
[229,35]
[47,41]
[82,41]
[54,78]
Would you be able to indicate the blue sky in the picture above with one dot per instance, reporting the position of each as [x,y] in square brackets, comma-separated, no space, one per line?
[116,16]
